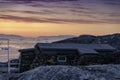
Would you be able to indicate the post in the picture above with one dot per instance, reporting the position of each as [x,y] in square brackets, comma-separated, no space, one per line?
[19,63]
[8,58]
[7,55]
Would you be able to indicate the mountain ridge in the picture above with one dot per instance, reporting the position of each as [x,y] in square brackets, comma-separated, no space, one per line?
[13,35]
[111,39]
[10,36]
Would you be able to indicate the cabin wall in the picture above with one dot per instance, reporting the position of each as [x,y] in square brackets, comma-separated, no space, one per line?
[41,57]
[103,57]
[49,57]
[87,59]
[71,56]
[26,60]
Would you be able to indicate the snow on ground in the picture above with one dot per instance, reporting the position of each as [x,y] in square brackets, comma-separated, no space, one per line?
[3,77]
[97,72]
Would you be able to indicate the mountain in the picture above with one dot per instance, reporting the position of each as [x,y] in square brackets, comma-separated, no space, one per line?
[10,36]
[59,36]
[54,38]
[112,39]
[96,72]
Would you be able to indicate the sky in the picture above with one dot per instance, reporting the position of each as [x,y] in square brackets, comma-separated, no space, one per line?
[32,18]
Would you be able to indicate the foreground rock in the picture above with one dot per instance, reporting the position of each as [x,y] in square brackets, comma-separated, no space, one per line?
[105,72]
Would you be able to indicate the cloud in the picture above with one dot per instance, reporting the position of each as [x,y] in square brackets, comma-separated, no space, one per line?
[111,2]
[32,12]
[29,1]
[25,19]
[60,11]
[52,20]
[112,21]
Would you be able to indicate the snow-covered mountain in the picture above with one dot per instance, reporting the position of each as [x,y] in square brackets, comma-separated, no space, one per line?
[112,39]
[54,38]
[58,37]
[10,36]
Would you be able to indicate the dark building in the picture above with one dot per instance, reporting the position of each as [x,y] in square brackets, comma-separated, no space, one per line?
[26,58]
[65,54]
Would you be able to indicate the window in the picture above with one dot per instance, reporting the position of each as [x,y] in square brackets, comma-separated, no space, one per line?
[61,59]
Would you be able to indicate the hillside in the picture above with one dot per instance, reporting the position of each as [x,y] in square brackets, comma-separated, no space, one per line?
[10,36]
[113,40]
[54,38]
[96,72]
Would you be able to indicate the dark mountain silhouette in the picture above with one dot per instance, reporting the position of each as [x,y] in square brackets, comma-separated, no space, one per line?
[10,36]
[55,38]
[112,39]
[39,38]
[58,36]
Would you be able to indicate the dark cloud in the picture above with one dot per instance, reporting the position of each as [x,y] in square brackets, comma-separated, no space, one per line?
[80,21]
[25,19]
[32,12]
[112,21]
[28,1]
[111,2]
[61,11]
[51,20]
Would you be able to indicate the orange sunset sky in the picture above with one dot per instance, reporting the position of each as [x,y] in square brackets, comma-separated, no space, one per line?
[48,18]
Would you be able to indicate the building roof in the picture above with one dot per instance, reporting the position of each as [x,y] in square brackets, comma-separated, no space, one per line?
[81,48]
[26,50]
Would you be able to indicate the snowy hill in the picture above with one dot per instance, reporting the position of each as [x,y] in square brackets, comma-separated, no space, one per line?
[10,36]
[96,72]
[54,38]
[112,39]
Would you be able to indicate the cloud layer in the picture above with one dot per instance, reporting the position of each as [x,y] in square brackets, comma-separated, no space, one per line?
[61,11]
